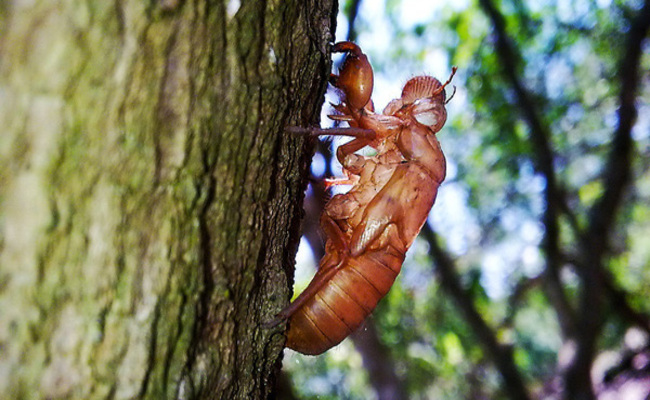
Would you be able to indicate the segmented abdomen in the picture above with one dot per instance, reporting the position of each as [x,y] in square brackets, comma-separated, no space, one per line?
[344,302]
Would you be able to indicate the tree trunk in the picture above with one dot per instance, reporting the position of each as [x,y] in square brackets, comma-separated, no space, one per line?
[150,200]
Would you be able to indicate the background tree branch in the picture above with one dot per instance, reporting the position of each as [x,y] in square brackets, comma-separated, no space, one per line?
[543,160]
[584,326]
[500,354]
[596,244]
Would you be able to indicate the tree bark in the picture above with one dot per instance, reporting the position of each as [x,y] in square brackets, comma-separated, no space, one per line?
[150,199]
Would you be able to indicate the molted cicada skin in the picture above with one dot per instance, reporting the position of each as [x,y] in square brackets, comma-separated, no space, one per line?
[369,229]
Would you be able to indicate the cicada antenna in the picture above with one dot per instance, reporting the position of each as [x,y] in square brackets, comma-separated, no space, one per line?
[452,96]
[441,88]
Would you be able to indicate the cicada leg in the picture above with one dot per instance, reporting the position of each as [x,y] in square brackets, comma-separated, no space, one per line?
[362,138]
[355,78]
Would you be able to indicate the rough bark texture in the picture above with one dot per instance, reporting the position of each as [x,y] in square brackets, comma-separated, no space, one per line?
[149,198]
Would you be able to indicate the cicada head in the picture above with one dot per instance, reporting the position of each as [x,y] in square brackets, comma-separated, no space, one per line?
[422,87]
[424,99]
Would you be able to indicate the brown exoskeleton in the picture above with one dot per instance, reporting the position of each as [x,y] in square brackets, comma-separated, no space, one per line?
[369,229]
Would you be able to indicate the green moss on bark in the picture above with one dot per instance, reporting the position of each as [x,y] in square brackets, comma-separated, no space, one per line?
[150,199]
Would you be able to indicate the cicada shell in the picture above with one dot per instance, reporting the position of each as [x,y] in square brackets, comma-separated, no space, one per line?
[369,229]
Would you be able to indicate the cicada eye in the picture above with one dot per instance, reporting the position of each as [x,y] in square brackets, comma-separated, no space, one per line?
[430,115]
[428,118]
[423,112]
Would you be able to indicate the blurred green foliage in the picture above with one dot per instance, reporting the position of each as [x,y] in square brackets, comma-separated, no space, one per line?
[567,57]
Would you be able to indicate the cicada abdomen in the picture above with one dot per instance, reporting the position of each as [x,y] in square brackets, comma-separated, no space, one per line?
[344,300]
